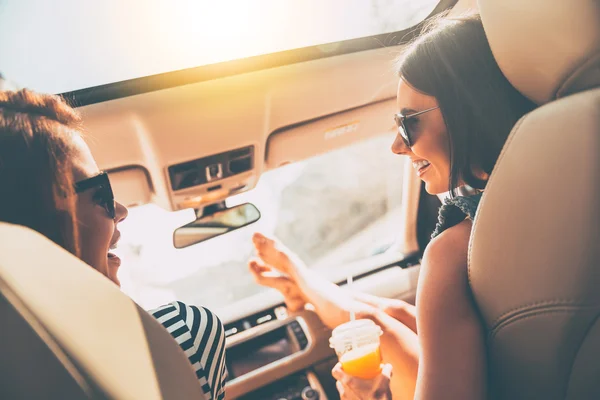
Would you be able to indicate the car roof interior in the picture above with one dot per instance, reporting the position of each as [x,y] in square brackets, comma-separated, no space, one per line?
[137,132]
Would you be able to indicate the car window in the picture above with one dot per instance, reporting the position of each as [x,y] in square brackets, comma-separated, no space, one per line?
[331,210]
[63,45]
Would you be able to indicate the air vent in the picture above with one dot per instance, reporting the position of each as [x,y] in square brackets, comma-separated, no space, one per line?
[240,165]
[233,329]
[213,188]
[246,151]
[212,168]
[237,189]
[250,322]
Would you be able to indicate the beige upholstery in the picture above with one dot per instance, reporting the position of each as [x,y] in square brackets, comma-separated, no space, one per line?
[534,265]
[68,332]
[546,48]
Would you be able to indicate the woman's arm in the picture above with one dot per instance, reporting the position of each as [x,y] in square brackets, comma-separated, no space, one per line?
[452,363]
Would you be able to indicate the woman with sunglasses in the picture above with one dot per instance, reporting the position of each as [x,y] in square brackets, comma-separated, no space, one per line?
[50,183]
[455,112]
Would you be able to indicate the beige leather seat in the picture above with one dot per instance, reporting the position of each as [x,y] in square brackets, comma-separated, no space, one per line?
[535,249]
[66,332]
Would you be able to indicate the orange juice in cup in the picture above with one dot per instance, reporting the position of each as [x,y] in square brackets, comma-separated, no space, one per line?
[357,346]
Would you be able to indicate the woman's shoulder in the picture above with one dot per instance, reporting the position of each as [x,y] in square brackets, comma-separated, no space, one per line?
[447,253]
[201,335]
[193,316]
[178,307]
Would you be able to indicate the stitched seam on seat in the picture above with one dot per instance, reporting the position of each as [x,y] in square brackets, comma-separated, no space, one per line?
[489,185]
[573,74]
[538,312]
[539,304]
[572,310]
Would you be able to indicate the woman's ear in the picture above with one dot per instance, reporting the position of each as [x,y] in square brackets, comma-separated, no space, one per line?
[65,200]
[64,203]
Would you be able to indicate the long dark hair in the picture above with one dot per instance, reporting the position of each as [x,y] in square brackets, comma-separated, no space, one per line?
[36,171]
[452,61]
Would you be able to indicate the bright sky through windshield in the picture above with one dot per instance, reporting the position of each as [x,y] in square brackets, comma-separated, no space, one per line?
[60,45]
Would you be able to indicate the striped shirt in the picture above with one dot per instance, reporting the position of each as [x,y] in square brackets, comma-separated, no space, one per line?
[201,336]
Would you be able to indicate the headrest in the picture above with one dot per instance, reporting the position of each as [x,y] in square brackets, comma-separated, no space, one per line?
[546,49]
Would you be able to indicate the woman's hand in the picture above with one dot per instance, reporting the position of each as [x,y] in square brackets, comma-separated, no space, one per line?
[351,388]
[399,347]
[397,309]
[403,312]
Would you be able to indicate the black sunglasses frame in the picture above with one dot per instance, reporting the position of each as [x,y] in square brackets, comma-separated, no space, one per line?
[403,130]
[102,183]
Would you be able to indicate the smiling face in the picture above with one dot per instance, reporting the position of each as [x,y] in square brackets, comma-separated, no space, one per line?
[430,151]
[98,232]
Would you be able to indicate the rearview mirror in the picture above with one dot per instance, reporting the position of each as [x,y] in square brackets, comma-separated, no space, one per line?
[215,220]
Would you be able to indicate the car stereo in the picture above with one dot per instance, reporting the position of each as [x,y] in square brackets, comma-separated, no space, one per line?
[274,346]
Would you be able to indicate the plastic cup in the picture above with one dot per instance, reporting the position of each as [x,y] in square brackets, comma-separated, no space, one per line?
[357,346]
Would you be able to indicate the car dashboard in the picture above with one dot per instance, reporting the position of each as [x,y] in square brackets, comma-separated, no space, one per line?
[277,359]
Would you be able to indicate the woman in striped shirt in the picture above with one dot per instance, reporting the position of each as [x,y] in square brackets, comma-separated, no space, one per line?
[201,336]
[53,185]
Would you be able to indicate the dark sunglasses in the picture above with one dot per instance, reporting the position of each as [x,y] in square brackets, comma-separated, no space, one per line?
[104,192]
[402,122]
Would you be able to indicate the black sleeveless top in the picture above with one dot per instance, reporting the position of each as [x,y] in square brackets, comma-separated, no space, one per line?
[455,210]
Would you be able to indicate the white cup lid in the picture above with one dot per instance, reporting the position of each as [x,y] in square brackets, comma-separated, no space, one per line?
[354,329]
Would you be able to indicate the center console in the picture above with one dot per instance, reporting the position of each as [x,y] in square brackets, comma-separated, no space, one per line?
[275,360]
[271,347]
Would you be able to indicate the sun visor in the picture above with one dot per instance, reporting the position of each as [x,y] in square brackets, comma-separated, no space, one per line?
[328,133]
[131,186]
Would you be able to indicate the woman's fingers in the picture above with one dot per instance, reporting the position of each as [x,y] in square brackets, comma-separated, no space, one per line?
[381,318]
[337,372]
[386,371]
[382,386]
[355,388]
[345,392]
[345,383]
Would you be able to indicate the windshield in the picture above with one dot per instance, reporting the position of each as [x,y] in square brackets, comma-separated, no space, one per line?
[331,210]
[64,45]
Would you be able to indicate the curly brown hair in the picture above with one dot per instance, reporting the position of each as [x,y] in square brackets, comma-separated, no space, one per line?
[36,165]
